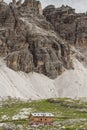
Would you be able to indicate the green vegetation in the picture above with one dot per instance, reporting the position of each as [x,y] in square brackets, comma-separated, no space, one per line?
[69,114]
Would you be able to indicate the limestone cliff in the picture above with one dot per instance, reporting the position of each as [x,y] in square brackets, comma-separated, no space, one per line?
[29,43]
[71,26]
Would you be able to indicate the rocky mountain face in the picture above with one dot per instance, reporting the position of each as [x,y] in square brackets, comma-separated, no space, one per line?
[28,41]
[71,26]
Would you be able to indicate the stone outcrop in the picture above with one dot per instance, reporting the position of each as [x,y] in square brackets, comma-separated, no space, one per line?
[33,5]
[29,43]
[1,0]
[22,60]
[71,26]
[30,6]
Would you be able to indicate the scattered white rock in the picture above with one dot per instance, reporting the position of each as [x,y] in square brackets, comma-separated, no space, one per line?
[1,124]
[4,117]
[23,114]
[19,127]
